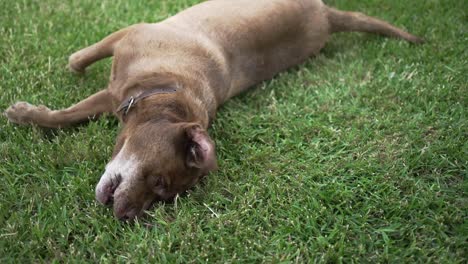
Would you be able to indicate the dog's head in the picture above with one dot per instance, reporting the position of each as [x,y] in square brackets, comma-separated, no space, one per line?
[154,161]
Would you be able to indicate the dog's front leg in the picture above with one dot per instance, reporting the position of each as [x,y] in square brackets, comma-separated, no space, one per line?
[79,60]
[90,108]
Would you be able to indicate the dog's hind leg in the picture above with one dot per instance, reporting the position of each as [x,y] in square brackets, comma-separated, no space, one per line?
[81,59]
[88,109]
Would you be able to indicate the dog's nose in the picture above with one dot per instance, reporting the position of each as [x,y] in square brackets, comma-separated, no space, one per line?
[105,190]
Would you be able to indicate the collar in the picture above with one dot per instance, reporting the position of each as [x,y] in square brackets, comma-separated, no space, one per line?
[131,101]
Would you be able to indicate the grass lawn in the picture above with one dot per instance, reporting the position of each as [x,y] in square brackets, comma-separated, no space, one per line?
[358,155]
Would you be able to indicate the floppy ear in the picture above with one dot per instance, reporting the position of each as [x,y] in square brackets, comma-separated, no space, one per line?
[201,149]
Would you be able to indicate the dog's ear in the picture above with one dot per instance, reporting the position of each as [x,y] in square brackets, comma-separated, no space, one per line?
[200,151]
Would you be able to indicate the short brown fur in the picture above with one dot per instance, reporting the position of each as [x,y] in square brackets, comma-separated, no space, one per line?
[211,52]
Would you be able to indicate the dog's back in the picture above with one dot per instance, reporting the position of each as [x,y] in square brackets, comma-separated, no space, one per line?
[260,38]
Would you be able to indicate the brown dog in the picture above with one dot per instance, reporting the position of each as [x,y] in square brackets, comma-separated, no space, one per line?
[169,78]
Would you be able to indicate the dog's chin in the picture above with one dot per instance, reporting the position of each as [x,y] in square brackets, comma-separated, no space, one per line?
[127,212]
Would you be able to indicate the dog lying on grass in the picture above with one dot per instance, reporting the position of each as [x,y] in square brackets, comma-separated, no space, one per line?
[169,78]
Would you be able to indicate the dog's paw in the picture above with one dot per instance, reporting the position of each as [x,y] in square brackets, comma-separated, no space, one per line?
[73,64]
[74,70]
[24,113]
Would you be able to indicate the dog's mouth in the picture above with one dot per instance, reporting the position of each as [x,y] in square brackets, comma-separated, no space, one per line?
[126,212]
[112,191]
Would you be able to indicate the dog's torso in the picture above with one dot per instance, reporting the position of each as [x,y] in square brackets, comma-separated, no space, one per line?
[222,46]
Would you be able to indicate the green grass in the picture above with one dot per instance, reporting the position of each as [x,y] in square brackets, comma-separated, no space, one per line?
[358,155]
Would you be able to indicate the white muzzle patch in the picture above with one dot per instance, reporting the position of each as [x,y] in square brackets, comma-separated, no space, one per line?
[118,170]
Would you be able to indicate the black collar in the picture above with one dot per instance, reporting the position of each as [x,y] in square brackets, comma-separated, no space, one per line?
[127,104]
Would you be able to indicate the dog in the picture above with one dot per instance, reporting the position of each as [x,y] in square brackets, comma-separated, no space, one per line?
[168,79]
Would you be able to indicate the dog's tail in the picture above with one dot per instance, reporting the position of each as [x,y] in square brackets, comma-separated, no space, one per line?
[342,21]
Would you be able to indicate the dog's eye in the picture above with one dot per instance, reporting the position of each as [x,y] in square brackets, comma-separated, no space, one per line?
[150,179]
[158,187]
[154,181]
[158,181]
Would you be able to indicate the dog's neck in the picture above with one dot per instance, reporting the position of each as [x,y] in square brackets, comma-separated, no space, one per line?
[179,106]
